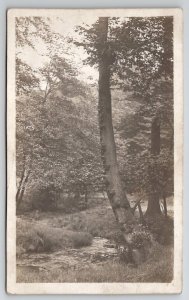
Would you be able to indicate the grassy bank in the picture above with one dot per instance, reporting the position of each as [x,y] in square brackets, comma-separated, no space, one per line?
[36,238]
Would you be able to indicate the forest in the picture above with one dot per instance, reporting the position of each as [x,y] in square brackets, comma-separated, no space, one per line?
[94,149]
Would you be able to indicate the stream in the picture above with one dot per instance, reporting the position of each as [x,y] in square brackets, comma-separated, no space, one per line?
[99,251]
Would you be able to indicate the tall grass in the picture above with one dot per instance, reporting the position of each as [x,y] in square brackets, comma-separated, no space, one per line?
[42,238]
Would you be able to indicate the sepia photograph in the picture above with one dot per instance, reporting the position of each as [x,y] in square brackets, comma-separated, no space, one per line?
[94,151]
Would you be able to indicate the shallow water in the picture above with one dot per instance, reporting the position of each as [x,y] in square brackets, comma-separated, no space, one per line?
[99,251]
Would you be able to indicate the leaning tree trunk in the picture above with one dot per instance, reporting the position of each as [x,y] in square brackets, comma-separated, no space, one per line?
[21,188]
[153,207]
[115,191]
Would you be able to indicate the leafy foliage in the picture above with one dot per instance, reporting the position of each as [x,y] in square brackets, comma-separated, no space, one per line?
[36,28]
[26,79]
[57,135]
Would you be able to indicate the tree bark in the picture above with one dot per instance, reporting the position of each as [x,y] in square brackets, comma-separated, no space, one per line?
[153,205]
[21,188]
[155,136]
[115,191]
[153,201]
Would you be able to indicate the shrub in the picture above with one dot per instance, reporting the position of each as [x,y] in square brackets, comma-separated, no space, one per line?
[140,237]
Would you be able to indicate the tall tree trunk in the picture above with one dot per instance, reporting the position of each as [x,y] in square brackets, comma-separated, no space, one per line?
[155,136]
[21,188]
[153,201]
[153,205]
[115,191]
